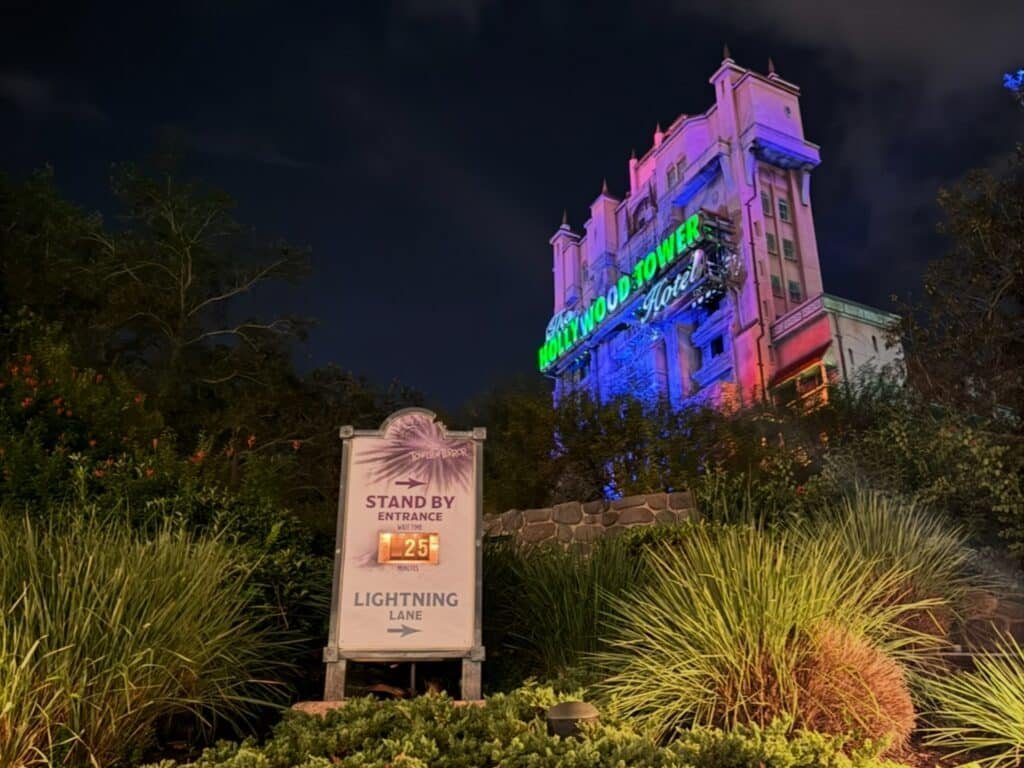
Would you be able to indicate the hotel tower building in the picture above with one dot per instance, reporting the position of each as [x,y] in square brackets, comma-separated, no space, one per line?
[703,284]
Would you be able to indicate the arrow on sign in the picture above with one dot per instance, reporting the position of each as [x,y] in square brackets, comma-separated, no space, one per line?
[410,483]
[403,630]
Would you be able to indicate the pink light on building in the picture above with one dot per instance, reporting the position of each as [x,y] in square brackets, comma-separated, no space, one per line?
[703,282]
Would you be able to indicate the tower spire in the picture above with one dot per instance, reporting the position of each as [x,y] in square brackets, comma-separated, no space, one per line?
[771,66]
[604,186]
[565,218]
[726,56]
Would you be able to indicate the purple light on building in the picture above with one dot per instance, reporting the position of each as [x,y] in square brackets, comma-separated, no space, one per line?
[702,283]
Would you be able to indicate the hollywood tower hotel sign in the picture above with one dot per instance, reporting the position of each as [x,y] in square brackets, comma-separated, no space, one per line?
[704,283]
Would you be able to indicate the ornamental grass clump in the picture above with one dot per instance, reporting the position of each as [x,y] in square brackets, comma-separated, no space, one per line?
[893,532]
[104,634]
[980,712]
[26,701]
[737,626]
[561,599]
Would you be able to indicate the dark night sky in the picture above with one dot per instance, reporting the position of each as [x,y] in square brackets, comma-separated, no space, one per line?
[425,149]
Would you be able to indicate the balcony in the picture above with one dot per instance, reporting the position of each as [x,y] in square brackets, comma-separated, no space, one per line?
[782,150]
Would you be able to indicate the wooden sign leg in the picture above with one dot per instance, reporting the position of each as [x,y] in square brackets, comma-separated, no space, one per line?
[334,683]
[471,683]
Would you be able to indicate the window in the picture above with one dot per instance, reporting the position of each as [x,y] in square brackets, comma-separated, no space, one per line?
[773,246]
[796,294]
[717,346]
[776,286]
[874,343]
[642,215]
[849,353]
[766,204]
[809,380]
[672,177]
[784,209]
[788,249]
[680,167]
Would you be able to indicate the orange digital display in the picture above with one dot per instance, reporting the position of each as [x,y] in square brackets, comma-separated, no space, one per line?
[414,547]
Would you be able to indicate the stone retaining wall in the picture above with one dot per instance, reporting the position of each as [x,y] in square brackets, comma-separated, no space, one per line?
[582,523]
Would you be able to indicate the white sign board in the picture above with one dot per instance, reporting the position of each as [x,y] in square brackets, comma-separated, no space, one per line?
[407,570]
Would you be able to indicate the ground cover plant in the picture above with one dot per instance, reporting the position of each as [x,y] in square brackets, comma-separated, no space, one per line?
[510,732]
[107,634]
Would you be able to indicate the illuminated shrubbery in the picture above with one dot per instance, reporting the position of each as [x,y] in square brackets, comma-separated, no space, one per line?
[510,732]
[981,712]
[107,634]
[737,626]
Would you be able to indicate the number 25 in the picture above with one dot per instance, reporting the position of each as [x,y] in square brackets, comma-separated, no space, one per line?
[417,548]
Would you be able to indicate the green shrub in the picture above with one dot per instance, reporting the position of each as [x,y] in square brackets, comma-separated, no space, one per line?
[970,470]
[737,626]
[981,711]
[510,732]
[107,634]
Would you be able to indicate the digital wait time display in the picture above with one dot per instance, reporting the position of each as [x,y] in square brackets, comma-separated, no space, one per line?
[413,547]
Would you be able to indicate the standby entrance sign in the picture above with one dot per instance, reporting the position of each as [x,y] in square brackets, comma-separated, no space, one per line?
[408,554]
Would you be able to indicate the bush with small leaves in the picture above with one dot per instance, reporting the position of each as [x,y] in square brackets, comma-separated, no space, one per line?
[510,732]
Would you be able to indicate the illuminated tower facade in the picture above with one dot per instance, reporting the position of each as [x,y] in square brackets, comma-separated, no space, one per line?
[703,283]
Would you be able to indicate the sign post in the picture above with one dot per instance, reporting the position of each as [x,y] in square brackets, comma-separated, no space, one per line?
[408,552]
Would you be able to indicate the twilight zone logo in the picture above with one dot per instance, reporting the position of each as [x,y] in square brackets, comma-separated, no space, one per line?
[416,446]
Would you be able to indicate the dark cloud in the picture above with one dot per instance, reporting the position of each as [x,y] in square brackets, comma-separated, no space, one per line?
[920,101]
[468,12]
[37,97]
[946,45]
[231,145]
[425,149]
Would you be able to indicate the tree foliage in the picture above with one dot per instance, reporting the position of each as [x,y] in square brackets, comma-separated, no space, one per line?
[147,373]
[966,338]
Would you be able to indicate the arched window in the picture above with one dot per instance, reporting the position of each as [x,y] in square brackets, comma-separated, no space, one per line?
[642,214]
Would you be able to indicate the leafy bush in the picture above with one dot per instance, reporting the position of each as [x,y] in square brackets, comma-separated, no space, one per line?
[107,634]
[969,469]
[981,711]
[510,732]
[737,626]
[773,462]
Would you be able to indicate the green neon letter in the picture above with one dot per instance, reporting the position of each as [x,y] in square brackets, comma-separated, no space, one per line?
[587,322]
[612,298]
[666,251]
[680,238]
[650,266]
[692,230]
[600,309]
[623,288]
